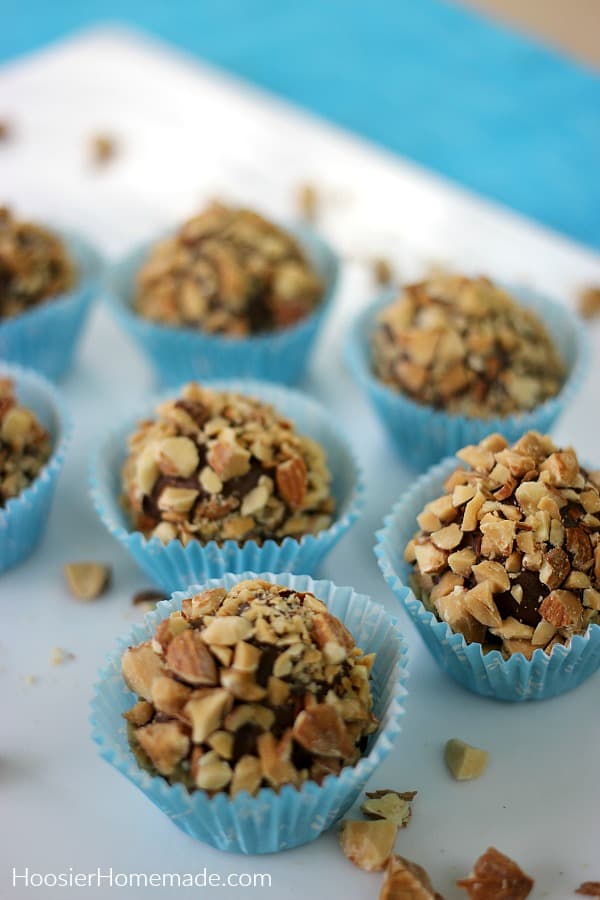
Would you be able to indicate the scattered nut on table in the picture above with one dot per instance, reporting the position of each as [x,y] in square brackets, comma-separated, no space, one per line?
[368,845]
[5,130]
[405,880]
[383,271]
[496,877]
[308,201]
[103,148]
[588,302]
[395,806]
[589,889]
[59,656]
[464,761]
[87,580]
[148,597]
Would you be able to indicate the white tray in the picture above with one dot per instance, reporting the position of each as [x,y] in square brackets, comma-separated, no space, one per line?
[190,133]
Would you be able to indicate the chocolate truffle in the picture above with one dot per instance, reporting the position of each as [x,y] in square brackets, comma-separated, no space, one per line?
[34,266]
[465,346]
[222,466]
[509,555]
[256,687]
[25,444]
[228,271]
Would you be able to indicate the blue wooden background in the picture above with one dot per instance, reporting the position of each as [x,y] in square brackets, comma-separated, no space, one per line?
[483,105]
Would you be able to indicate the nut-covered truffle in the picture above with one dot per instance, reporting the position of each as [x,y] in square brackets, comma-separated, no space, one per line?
[256,687]
[510,555]
[222,466]
[34,265]
[25,445]
[228,271]
[465,346]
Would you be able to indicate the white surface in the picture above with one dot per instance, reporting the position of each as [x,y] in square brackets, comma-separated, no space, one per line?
[187,134]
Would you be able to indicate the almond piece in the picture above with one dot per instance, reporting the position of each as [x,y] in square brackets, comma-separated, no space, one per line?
[178,500]
[479,459]
[498,536]
[496,876]
[140,713]
[561,468]
[461,561]
[391,805]
[210,481]
[447,538]
[555,568]
[212,773]
[87,580]
[226,630]
[479,601]
[589,889]
[451,609]
[430,558]
[222,742]
[255,500]
[471,513]
[405,880]
[320,729]
[206,713]
[165,744]
[464,761]
[580,548]
[177,456]
[529,494]
[328,629]
[189,658]
[246,657]
[562,609]
[247,776]
[228,459]
[368,845]
[140,666]
[242,685]
[204,604]
[494,573]
[249,714]
[291,480]
[169,695]
[275,758]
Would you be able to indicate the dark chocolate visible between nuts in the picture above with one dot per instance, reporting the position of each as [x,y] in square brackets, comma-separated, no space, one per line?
[258,686]
[509,555]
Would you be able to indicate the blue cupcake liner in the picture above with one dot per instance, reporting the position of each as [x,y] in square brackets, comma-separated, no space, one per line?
[174,566]
[23,519]
[270,821]
[424,435]
[44,338]
[488,674]
[180,354]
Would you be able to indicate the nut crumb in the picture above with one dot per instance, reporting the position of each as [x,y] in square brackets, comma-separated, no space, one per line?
[60,656]
[589,889]
[368,845]
[464,761]
[148,598]
[308,201]
[30,679]
[395,806]
[405,880]
[87,580]
[103,148]
[588,302]
[383,271]
[496,877]
[6,131]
